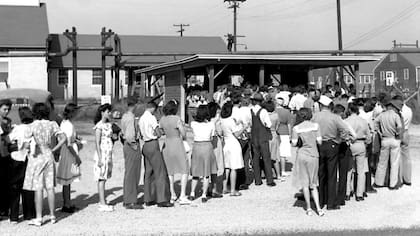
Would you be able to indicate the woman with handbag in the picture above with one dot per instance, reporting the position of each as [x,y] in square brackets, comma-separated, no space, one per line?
[69,164]
[174,153]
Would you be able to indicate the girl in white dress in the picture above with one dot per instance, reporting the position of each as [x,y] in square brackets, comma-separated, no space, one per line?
[232,151]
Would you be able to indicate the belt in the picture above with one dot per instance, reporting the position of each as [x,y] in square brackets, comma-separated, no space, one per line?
[150,140]
[361,139]
[202,141]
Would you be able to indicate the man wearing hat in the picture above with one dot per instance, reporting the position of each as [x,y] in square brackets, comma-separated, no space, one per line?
[333,130]
[390,128]
[132,156]
[260,136]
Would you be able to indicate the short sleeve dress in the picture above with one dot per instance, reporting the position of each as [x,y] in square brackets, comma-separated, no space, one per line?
[105,171]
[305,171]
[67,162]
[203,160]
[232,150]
[275,141]
[40,170]
[173,149]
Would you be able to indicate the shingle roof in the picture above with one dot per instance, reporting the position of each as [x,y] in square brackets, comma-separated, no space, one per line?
[23,26]
[135,44]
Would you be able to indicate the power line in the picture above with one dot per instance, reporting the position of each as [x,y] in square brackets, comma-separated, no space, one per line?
[181,28]
[404,14]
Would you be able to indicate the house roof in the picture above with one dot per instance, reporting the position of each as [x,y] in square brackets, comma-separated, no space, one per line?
[135,44]
[315,61]
[23,27]
[413,58]
[367,67]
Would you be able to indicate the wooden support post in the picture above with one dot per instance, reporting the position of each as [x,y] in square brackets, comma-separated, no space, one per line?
[211,80]
[356,81]
[261,75]
[182,93]
[310,75]
[142,91]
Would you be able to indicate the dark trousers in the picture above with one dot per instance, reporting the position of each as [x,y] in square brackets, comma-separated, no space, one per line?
[344,159]
[261,149]
[372,166]
[4,185]
[17,171]
[245,175]
[328,173]
[156,180]
[132,163]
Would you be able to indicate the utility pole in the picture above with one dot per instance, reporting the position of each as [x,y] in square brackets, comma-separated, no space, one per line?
[72,36]
[181,28]
[104,37]
[235,5]
[340,42]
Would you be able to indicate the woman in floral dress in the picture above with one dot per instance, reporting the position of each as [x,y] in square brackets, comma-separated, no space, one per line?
[103,154]
[40,171]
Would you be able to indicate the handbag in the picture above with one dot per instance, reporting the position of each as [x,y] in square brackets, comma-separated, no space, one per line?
[75,170]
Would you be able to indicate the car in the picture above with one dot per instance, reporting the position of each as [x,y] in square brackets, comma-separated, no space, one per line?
[26,97]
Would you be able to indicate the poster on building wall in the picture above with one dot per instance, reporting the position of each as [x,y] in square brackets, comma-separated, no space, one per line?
[389,78]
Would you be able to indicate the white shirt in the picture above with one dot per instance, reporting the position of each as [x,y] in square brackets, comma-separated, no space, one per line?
[297,102]
[148,125]
[203,131]
[367,116]
[407,115]
[246,117]
[22,134]
[285,95]
[264,117]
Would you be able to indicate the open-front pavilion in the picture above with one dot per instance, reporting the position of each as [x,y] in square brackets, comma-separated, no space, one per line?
[254,68]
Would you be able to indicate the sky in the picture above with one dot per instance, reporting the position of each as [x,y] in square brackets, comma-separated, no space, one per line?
[266,24]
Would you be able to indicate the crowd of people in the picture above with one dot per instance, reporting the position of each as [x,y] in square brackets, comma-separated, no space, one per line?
[243,136]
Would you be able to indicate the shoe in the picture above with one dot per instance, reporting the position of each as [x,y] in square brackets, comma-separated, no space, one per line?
[394,188]
[365,194]
[191,198]
[309,212]
[173,200]
[165,204]
[272,184]
[243,187]
[347,198]
[105,208]
[53,219]
[407,183]
[282,179]
[36,222]
[372,190]
[152,203]
[68,209]
[204,199]
[335,207]
[236,194]
[358,199]
[133,206]
[377,186]
[216,195]
[13,222]
[184,201]
[343,203]
[258,184]
[226,192]
[321,213]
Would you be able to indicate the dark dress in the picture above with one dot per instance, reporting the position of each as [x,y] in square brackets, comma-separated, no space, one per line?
[173,149]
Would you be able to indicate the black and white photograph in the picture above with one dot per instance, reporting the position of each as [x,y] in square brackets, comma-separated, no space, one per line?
[209,117]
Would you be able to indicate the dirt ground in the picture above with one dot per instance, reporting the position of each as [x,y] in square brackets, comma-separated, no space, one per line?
[260,210]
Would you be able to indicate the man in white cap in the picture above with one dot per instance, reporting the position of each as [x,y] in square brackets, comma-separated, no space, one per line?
[332,130]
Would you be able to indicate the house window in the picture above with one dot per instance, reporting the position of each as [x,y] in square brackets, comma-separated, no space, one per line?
[63,77]
[393,57]
[127,72]
[382,75]
[367,79]
[360,79]
[406,74]
[97,77]
[4,71]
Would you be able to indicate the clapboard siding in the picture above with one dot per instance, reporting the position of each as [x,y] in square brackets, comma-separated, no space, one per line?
[172,86]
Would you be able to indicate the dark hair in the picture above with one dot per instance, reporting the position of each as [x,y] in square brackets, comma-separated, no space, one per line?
[226,110]
[171,108]
[269,106]
[151,104]
[369,105]
[41,111]
[338,108]
[213,107]
[101,109]
[25,115]
[69,111]
[202,113]
[131,101]
[344,96]
[302,115]
[5,102]
[353,108]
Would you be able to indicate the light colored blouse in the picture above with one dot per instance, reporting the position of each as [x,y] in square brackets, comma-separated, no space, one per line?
[203,131]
